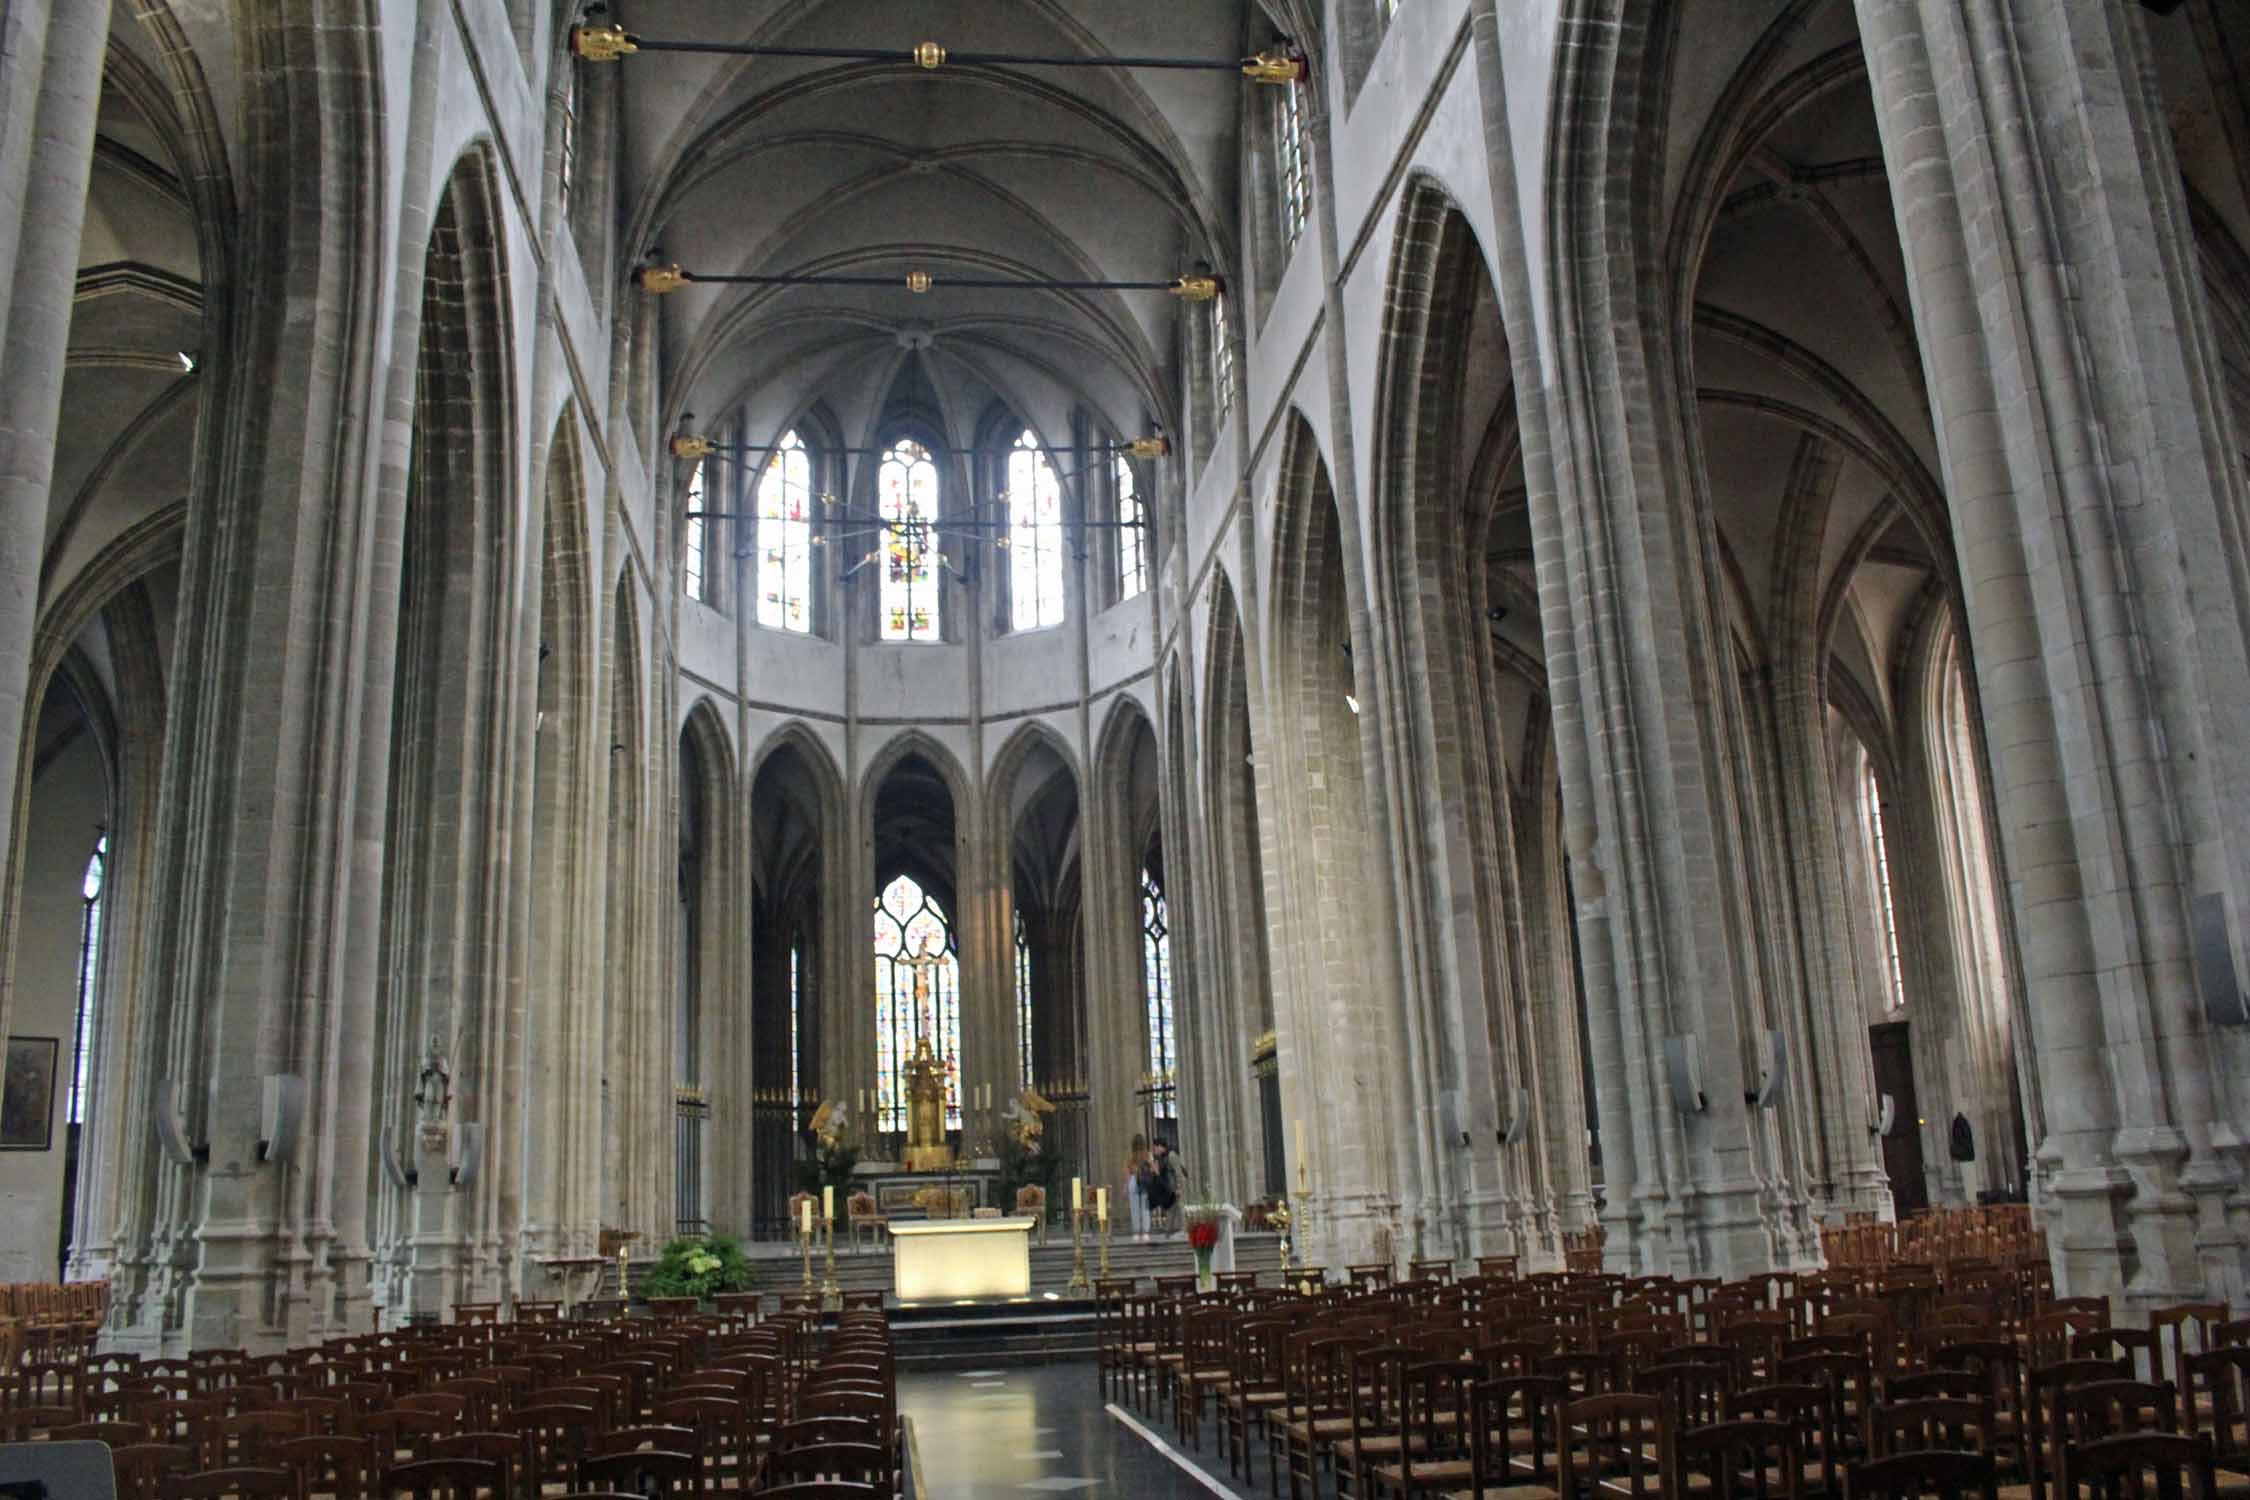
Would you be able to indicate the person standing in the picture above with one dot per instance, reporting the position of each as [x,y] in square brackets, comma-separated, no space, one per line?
[1161,1187]
[1138,1168]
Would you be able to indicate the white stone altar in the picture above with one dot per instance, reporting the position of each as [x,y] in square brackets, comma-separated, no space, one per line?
[961,1260]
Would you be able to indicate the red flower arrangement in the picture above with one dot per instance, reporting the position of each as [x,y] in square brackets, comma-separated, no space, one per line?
[1203,1234]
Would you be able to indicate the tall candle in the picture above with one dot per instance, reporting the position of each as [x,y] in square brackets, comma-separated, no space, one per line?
[1101,1204]
[827,1203]
[805,1219]
[1077,1195]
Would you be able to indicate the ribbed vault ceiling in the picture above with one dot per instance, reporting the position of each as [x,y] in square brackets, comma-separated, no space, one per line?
[761,165]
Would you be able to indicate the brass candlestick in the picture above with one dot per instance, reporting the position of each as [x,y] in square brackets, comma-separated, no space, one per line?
[807,1238]
[1078,1281]
[828,1286]
[1105,1250]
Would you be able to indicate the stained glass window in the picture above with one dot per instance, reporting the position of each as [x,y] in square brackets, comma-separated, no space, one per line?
[1156,980]
[1289,148]
[1222,356]
[698,587]
[907,917]
[785,538]
[1035,553]
[909,501]
[89,977]
[1023,998]
[1132,533]
[1871,816]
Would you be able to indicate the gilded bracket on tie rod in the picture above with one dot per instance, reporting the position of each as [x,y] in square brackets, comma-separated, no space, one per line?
[602,43]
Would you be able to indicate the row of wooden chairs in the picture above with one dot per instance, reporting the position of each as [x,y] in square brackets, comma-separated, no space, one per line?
[671,1406]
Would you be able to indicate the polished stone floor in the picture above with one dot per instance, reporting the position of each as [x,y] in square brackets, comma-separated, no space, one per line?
[1038,1430]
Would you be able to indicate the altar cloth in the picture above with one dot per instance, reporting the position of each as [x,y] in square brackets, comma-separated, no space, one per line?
[959,1260]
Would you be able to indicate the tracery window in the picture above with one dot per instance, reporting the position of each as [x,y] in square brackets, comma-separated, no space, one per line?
[908,488]
[1023,998]
[89,980]
[906,918]
[1879,859]
[785,537]
[1132,533]
[1156,980]
[1222,356]
[692,555]
[1035,551]
[1289,154]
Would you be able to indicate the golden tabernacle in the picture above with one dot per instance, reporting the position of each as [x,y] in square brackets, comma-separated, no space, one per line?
[926,1148]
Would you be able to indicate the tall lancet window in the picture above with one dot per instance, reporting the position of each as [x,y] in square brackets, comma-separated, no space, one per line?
[692,562]
[785,538]
[1222,356]
[908,496]
[1035,551]
[913,936]
[89,980]
[1132,533]
[1879,861]
[1156,981]
[1023,998]
[1290,160]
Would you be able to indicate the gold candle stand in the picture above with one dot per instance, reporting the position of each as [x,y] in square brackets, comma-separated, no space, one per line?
[829,1288]
[1104,1273]
[1078,1281]
[808,1239]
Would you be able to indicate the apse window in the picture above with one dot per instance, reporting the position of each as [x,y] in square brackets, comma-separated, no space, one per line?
[1132,533]
[692,559]
[913,937]
[785,537]
[1035,552]
[908,548]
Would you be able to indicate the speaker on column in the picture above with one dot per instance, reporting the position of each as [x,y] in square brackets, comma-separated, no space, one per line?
[1515,1120]
[1686,1073]
[171,1133]
[468,1153]
[281,1116]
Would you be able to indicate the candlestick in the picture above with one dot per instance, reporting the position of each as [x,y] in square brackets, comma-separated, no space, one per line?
[830,1289]
[1078,1281]
[1105,1234]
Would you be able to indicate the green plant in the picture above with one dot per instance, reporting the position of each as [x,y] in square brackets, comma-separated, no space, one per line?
[692,1267]
[830,1168]
[1026,1168]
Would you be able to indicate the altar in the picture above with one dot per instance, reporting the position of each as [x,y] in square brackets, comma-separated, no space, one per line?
[959,1260]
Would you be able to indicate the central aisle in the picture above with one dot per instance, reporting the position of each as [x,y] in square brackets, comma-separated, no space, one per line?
[1033,1430]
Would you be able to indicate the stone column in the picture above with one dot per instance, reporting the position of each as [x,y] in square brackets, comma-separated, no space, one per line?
[51,76]
[2069,355]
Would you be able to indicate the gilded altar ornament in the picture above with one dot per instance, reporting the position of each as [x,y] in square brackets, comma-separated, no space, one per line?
[685,445]
[828,1124]
[926,1148]
[917,282]
[1193,288]
[1275,66]
[1150,447]
[601,43]
[929,55]
[1023,1117]
[661,279]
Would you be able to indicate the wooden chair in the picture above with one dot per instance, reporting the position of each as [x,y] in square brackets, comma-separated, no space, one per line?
[446,1479]
[342,1468]
[1437,1415]
[1747,1459]
[642,1471]
[246,1483]
[2138,1464]
[862,1463]
[1617,1447]
[142,1468]
[1928,1472]
[1963,1424]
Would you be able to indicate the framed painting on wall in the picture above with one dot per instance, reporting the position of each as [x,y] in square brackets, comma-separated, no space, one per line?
[27,1102]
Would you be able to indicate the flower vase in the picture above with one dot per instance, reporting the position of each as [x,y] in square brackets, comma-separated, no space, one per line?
[1204,1281]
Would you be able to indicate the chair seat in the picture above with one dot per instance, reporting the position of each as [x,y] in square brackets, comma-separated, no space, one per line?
[1301,1431]
[1510,1492]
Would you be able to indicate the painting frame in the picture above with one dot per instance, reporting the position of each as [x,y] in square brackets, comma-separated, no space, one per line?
[27,1094]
